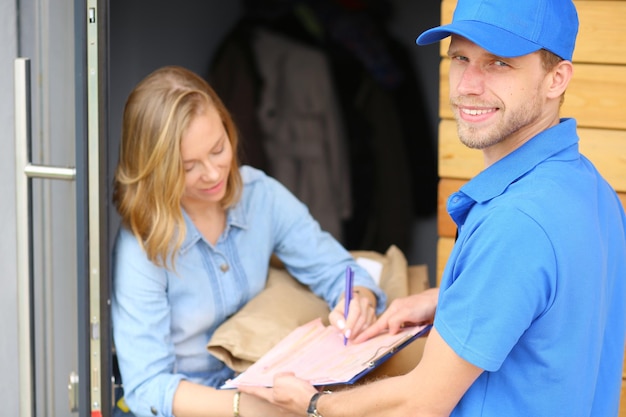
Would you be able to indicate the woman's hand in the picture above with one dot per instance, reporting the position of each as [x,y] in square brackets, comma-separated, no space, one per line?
[290,393]
[411,310]
[361,315]
[193,400]
[257,406]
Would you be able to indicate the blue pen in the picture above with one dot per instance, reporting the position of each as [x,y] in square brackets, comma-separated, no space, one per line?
[348,296]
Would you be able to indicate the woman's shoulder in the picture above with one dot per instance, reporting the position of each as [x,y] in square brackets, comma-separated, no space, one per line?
[125,237]
[129,255]
[256,179]
[251,174]
[261,189]
[126,243]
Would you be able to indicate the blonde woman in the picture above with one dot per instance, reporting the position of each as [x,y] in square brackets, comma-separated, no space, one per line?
[197,234]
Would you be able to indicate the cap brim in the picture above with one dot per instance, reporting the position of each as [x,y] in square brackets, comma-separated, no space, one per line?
[491,38]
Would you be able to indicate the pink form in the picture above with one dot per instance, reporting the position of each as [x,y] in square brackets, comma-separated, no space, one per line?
[316,353]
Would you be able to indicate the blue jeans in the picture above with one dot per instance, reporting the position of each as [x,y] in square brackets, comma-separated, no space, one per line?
[117,411]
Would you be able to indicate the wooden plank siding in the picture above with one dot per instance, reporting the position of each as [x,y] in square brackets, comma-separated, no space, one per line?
[596,98]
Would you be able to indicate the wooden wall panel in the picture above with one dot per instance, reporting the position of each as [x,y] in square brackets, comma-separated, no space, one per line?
[444,247]
[445,225]
[602,34]
[595,96]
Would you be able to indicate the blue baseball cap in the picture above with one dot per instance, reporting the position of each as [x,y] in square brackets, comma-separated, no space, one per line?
[511,28]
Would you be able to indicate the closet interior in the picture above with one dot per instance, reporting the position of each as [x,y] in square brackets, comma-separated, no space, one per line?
[331,97]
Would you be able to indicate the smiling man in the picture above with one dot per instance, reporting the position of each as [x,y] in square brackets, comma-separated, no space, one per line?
[531,313]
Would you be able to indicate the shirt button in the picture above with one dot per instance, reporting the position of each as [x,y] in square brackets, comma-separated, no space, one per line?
[224,267]
[153,411]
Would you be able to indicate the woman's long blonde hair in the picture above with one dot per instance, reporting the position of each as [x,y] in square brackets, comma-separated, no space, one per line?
[150,180]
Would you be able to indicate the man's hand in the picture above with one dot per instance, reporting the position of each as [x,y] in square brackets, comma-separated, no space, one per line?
[411,310]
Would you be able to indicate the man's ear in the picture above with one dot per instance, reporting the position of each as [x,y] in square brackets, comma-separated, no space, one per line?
[559,78]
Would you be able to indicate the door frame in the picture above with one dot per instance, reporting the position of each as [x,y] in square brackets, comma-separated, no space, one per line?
[95,361]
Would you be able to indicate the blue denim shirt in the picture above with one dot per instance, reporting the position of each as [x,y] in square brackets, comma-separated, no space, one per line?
[163,320]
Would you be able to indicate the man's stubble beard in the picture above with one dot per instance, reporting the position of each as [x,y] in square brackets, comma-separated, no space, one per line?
[484,137]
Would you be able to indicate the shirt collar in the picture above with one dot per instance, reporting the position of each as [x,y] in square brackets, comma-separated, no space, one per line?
[236,217]
[561,139]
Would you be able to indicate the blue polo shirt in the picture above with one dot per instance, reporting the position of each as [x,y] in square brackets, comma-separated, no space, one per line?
[534,290]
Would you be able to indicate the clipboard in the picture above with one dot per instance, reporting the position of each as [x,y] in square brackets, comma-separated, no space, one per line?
[316,353]
[387,352]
